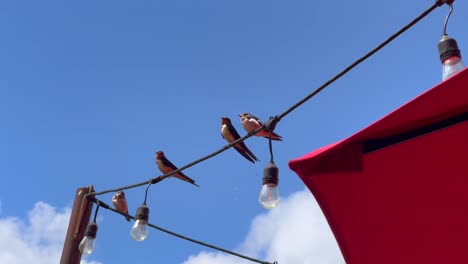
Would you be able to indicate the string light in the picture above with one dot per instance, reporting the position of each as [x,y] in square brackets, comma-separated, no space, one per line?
[449,53]
[88,242]
[271,171]
[269,194]
[139,230]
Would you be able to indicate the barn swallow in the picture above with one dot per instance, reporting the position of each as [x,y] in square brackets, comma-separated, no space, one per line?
[252,123]
[229,133]
[165,166]
[120,203]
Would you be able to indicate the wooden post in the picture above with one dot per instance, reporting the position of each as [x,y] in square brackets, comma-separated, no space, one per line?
[79,219]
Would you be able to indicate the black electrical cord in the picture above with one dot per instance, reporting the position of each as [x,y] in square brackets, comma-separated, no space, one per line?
[146,193]
[363,58]
[444,31]
[95,212]
[162,177]
[270,146]
[106,206]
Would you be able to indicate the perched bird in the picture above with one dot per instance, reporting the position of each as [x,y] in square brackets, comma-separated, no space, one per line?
[120,203]
[165,166]
[252,123]
[229,133]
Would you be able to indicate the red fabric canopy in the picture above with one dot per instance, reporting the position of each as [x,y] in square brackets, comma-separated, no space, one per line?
[397,191]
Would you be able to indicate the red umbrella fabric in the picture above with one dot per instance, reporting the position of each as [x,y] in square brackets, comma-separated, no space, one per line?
[397,191]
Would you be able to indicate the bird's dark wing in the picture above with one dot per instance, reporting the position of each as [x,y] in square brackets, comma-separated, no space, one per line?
[241,147]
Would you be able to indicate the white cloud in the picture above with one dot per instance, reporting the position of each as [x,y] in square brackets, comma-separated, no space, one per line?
[295,232]
[38,240]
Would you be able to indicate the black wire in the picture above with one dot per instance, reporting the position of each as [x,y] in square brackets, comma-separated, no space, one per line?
[118,189]
[444,31]
[146,193]
[270,144]
[106,206]
[162,177]
[209,245]
[279,117]
[354,64]
[95,212]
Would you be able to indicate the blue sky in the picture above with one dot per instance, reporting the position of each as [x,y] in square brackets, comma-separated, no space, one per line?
[90,90]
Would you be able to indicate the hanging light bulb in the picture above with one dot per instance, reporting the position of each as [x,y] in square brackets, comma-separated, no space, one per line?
[87,243]
[449,53]
[269,195]
[139,230]
[450,56]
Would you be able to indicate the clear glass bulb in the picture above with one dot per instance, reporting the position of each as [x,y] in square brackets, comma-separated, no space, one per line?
[139,230]
[87,245]
[269,195]
[451,66]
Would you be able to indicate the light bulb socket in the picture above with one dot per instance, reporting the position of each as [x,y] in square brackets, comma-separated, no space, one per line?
[448,48]
[91,230]
[270,174]
[142,213]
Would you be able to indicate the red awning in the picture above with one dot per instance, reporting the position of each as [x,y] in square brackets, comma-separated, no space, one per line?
[397,191]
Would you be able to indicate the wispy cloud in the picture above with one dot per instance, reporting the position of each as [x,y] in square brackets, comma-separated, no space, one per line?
[295,232]
[37,240]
